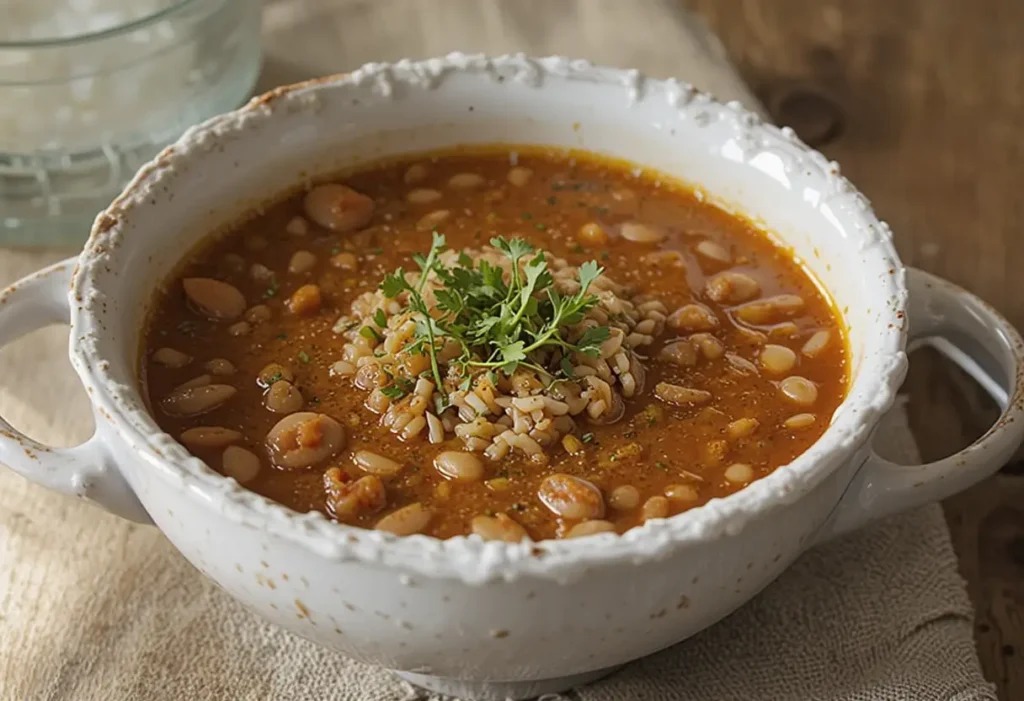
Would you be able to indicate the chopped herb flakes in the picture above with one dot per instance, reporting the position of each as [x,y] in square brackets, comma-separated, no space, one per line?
[587,437]
[304,356]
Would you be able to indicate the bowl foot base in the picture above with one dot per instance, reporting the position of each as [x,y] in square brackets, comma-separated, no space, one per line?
[501,691]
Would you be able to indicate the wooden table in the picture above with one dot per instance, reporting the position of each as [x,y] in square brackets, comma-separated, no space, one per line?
[922,103]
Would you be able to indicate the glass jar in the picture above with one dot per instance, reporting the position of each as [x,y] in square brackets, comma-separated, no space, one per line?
[92,89]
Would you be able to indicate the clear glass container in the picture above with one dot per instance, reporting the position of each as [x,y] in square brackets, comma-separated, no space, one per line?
[91,89]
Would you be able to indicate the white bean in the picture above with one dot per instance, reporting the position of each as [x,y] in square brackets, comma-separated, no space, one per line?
[519,176]
[816,343]
[498,527]
[642,233]
[714,252]
[770,309]
[297,226]
[272,372]
[581,530]
[240,328]
[194,401]
[347,500]
[423,196]
[431,221]
[465,181]
[741,428]
[304,439]
[680,396]
[417,172]
[209,437]
[571,497]
[682,493]
[799,390]
[655,507]
[692,317]
[283,398]
[458,466]
[338,208]
[214,298]
[740,364]
[197,381]
[240,463]
[739,473]
[219,366]
[170,358]
[377,464]
[777,359]
[731,287]
[624,498]
[408,520]
[799,421]
[301,262]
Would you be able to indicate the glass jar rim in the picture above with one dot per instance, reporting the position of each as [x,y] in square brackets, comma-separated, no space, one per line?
[98,35]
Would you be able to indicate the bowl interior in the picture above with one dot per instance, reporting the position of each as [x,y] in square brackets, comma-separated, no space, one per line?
[226,167]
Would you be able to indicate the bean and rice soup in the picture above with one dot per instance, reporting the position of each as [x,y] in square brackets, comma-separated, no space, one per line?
[525,343]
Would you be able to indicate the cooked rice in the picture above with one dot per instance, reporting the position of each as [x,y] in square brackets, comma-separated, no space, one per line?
[527,412]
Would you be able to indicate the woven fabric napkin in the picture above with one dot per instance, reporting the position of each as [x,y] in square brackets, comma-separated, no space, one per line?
[96,609]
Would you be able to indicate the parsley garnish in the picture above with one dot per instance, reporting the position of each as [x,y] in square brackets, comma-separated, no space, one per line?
[380,318]
[399,387]
[497,323]
[370,334]
[304,356]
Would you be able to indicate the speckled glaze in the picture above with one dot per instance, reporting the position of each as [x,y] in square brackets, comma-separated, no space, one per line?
[497,620]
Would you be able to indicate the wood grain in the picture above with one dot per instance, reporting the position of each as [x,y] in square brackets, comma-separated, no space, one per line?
[922,103]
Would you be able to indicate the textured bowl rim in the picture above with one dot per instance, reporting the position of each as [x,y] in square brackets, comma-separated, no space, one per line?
[468,558]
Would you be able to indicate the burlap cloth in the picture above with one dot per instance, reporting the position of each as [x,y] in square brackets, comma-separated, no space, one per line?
[95,609]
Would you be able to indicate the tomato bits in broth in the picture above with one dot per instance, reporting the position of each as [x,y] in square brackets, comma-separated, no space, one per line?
[542,344]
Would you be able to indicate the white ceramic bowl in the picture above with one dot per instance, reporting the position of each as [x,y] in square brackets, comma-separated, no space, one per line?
[490,620]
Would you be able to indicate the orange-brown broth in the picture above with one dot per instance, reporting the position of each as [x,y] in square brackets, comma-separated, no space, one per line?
[566,191]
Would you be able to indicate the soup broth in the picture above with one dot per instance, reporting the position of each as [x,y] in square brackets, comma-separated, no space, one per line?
[592,346]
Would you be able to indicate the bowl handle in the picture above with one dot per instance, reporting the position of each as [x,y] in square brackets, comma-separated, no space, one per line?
[86,470]
[984,344]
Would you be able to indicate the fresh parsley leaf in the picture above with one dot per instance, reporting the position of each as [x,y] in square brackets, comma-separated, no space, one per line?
[369,334]
[589,272]
[380,318]
[513,352]
[591,340]
[395,284]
